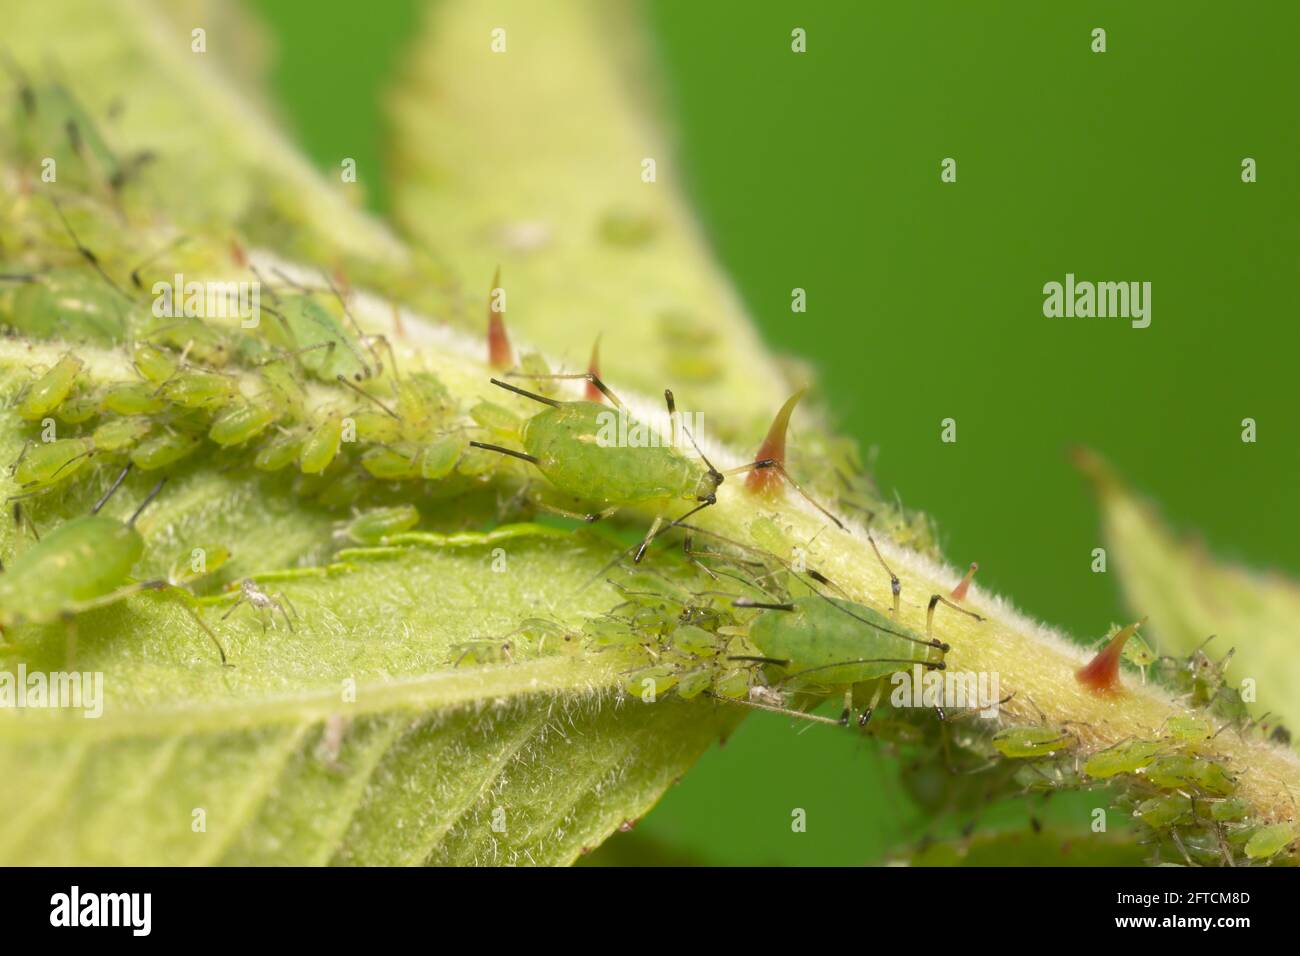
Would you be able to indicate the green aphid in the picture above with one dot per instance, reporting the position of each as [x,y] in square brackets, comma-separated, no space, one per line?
[476,464]
[80,408]
[832,641]
[51,389]
[341,491]
[278,453]
[131,398]
[325,347]
[1230,810]
[694,682]
[1189,728]
[610,632]
[1128,757]
[1031,741]
[164,449]
[1269,841]
[482,652]
[651,683]
[439,458]
[690,639]
[43,465]
[396,463]
[154,364]
[1160,813]
[374,526]
[734,684]
[1138,652]
[423,404]
[69,304]
[1179,771]
[83,564]
[117,434]
[600,455]
[283,390]
[241,421]
[495,418]
[532,365]
[376,427]
[194,388]
[321,446]
[195,339]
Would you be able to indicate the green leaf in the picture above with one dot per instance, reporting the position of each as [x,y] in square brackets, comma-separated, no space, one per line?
[352,738]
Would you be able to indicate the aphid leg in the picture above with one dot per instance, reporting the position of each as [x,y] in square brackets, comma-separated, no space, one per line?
[773,709]
[895,586]
[590,517]
[86,253]
[865,717]
[154,257]
[117,483]
[589,377]
[775,465]
[343,379]
[847,712]
[688,550]
[19,460]
[21,518]
[121,594]
[672,413]
[280,600]
[935,601]
[649,536]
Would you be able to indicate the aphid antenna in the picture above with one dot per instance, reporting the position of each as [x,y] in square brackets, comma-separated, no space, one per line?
[931,665]
[148,499]
[762,605]
[525,393]
[590,378]
[86,252]
[671,402]
[356,326]
[366,395]
[154,257]
[270,289]
[117,483]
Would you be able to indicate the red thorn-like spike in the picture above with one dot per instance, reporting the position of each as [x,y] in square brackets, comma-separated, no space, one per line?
[1101,674]
[593,393]
[768,480]
[500,354]
[238,254]
[959,592]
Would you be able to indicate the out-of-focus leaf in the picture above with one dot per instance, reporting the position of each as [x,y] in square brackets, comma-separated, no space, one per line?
[532,159]
[1190,596]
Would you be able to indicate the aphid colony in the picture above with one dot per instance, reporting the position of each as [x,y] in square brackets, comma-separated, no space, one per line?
[305,389]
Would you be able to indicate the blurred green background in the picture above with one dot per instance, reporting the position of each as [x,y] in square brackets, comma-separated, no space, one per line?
[925,299]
